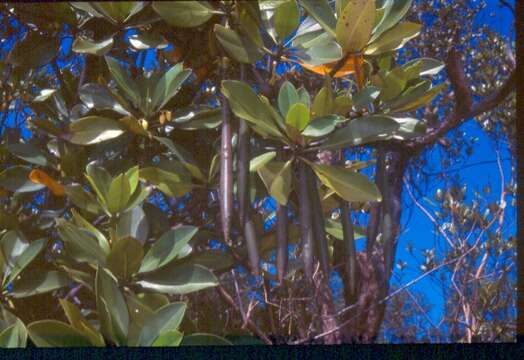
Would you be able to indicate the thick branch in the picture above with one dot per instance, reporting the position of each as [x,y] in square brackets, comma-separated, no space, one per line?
[463,109]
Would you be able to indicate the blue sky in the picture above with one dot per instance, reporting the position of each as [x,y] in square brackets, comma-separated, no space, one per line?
[419,230]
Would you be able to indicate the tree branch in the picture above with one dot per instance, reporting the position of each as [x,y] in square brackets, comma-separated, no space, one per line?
[464,108]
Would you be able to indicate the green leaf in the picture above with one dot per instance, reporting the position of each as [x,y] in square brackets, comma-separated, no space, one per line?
[281,184]
[16,179]
[184,13]
[416,97]
[148,40]
[393,83]
[323,103]
[167,318]
[102,241]
[321,53]
[29,153]
[355,24]
[322,126]
[286,19]
[168,85]
[179,279]
[93,130]
[82,199]
[428,66]
[86,46]
[169,183]
[394,38]
[260,160]
[365,97]
[52,333]
[133,223]
[125,257]
[298,116]
[123,80]
[198,118]
[82,243]
[15,265]
[77,321]
[202,339]
[394,11]
[33,51]
[240,48]
[304,97]
[270,172]
[14,336]
[372,128]
[98,97]
[118,195]
[287,97]
[184,156]
[323,13]
[141,193]
[118,12]
[247,105]
[169,338]
[348,184]
[39,283]
[215,260]
[334,228]
[111,307]
[167,248]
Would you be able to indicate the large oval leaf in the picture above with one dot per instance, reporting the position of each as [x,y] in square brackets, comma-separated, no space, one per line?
[93,130]
[348,184]
[322,12]
[16,179]
[394,38]
[86,46]
[167,318]
[184,13]
[111,307]
[286,18]
[39,283]
[125,257]
[14,336]
[29,153]
[52,333]
[355,24]
[240,48]
[168,247]
[181,279]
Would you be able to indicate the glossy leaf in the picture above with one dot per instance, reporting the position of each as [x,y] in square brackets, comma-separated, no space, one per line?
[168,85]
[167,318]
[82,243]
[77,321]
[428,66]
[365,97]
[133,223]
[298,116]
[321,126]
[286,18]
[247,105]
[93,130]
[118,11]
[111,307]
[355,24]
[95,96]
[39,283]
[321,12]
[184,13]
[86,46]
[52,333]
[16,264]
[260,160]
[82,199]
[16,179]
[240,48]
[287,97]
[178,279]
[169,183]
[125,257]
[169,338]
[14,336]
[29,153]
[167,248]
[394,11]
[348,184]
[393,39]
[123,80]
[281,184]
